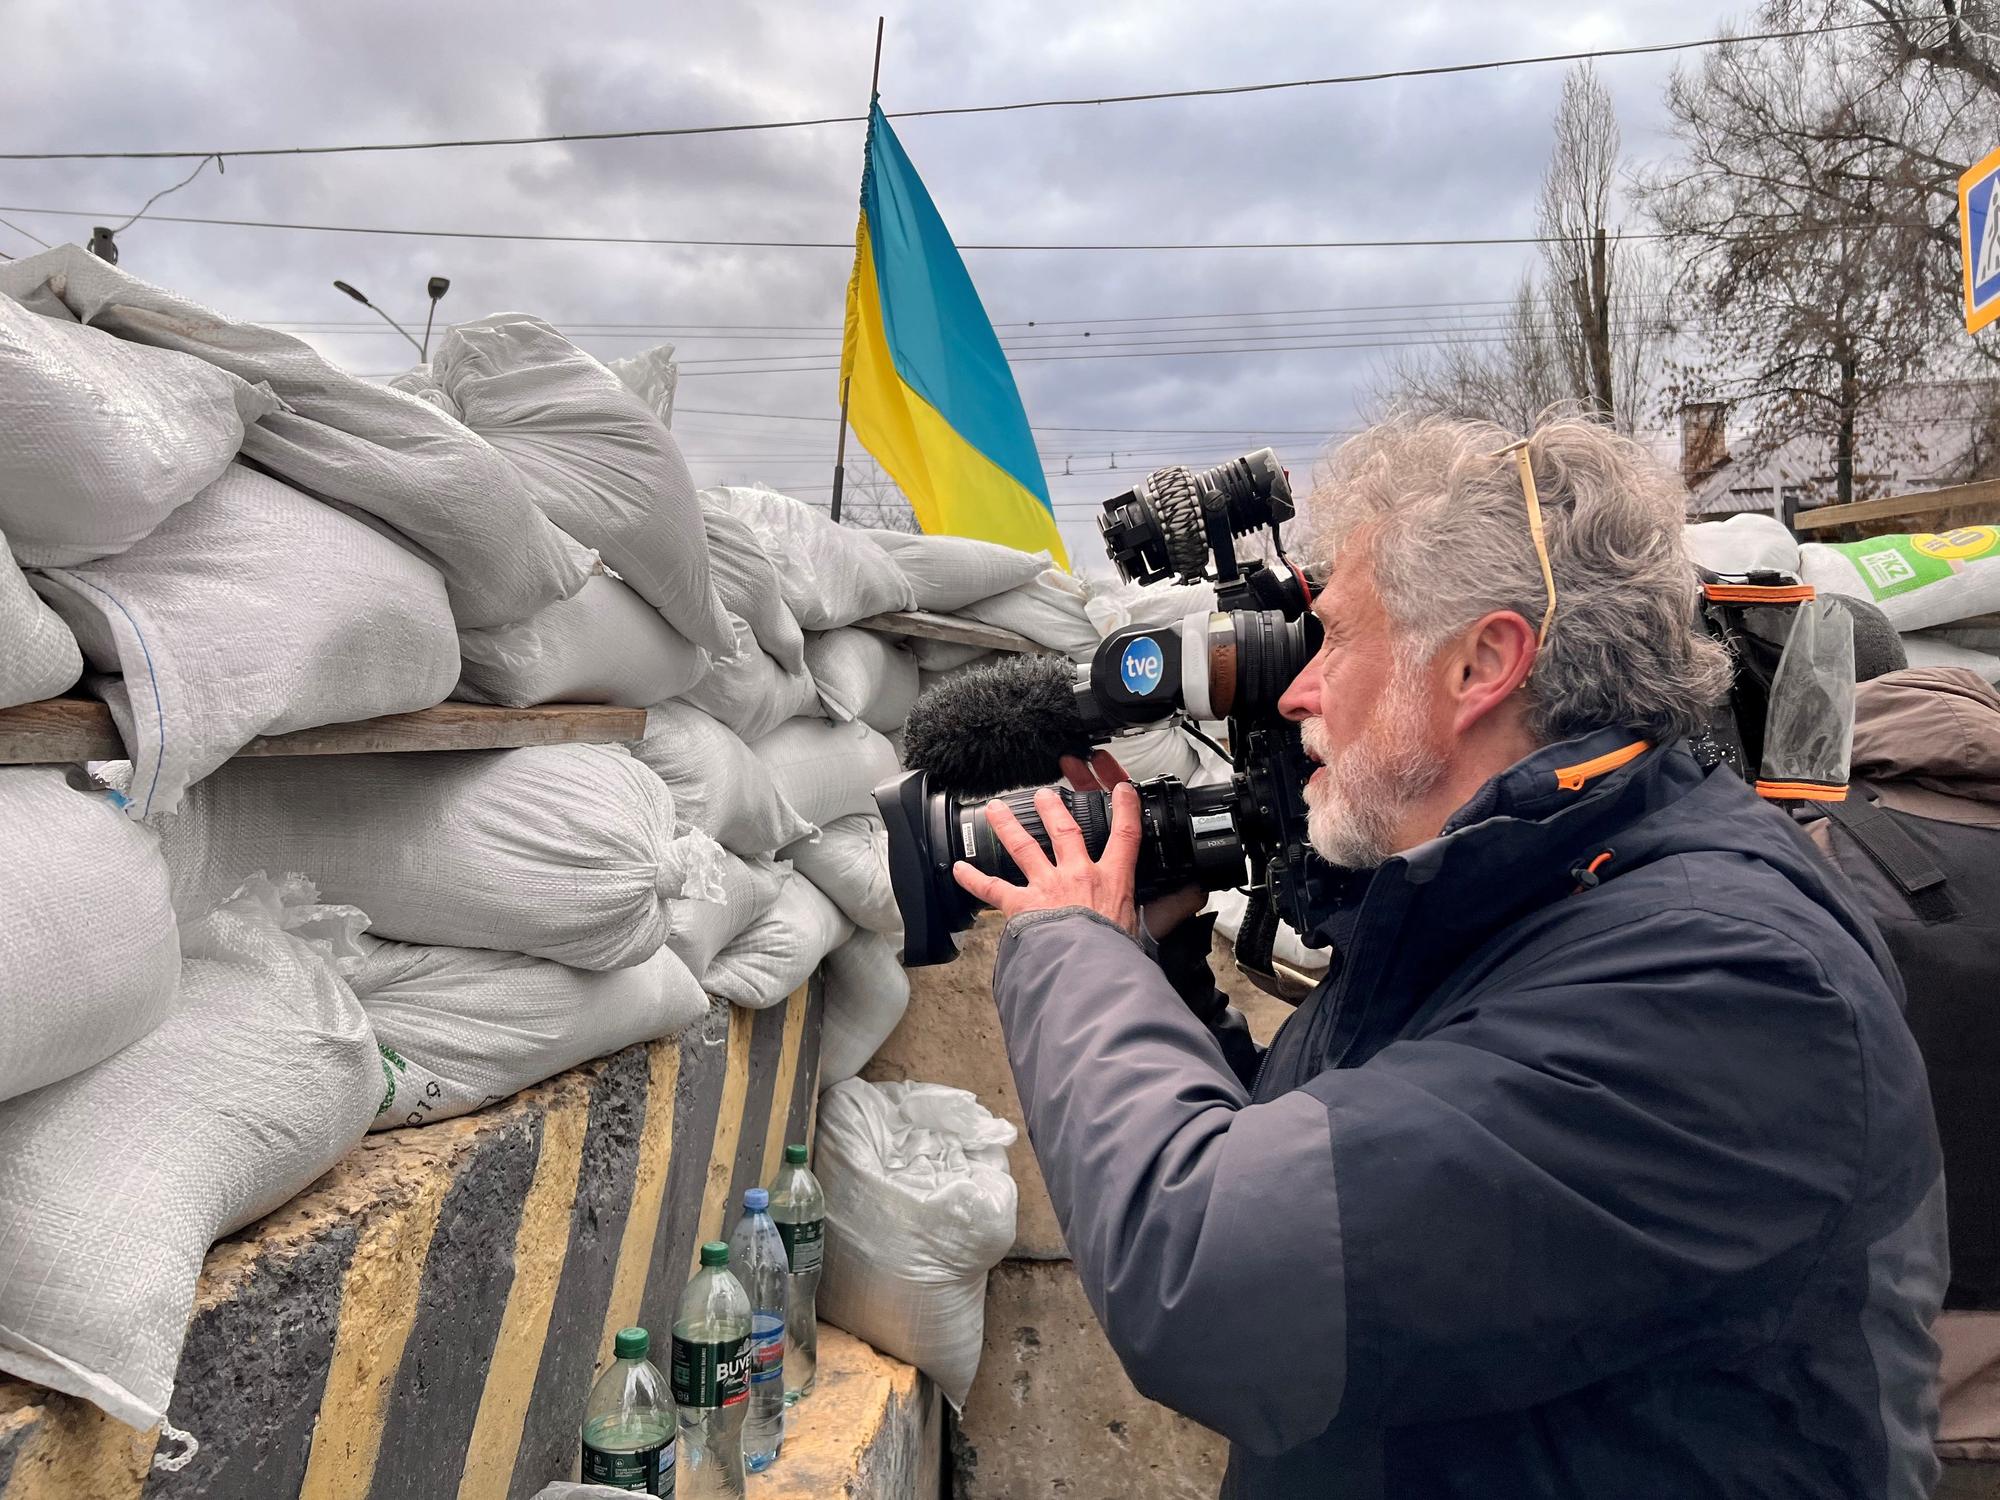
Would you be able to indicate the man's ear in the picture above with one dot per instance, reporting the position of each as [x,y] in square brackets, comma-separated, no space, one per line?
[1487,666]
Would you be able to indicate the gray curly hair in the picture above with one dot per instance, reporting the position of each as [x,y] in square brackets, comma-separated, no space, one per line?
[1441,513]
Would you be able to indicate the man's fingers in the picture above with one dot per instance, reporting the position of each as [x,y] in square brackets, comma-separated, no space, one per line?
[1080,773]
[1064,836]
[1121,850]
[1027,854]
[1108,772]
[991,889]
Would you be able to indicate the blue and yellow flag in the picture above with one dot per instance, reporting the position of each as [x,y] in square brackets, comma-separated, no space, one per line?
[928,389]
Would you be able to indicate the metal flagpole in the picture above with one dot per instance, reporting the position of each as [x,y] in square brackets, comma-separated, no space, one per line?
[840,455]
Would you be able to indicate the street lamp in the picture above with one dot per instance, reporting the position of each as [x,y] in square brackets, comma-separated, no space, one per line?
[358,297]
[437,286]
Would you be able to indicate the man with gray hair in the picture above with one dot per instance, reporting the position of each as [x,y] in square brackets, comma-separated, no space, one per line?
[1601,1163]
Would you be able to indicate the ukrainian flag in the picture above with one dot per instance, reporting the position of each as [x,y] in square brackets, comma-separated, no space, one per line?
[928,390]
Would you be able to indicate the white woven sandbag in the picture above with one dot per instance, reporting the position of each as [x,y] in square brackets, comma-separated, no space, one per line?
[849,861]
[863,675]
[252,610]
[1113,609]
[942,656]
[750,692]
[703,928]
[825,770]
[595,460]
[1048,610]
[1747,543]
[562,851]
[119,1178]
[1934,649]
[462,1028]
[777,953]
[607,645]
[747,583]
[947,573]
[1163,751]
[101,440]
[1918,580]
[341,438]
[832,575]
[867,991]
[718,785]
[89,958]
[39,657]
[919,1207]
[652,376]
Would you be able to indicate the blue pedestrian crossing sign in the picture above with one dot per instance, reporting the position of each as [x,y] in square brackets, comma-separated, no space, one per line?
[1979,237]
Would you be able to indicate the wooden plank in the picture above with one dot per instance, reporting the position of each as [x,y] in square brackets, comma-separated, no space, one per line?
[949,628]
[1929,502]
[72,729]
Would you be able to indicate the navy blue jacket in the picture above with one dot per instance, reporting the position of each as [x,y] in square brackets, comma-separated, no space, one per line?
[1629,1190]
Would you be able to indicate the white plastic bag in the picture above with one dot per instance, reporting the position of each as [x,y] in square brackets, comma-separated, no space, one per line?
[89,956]
[462,1028]
[919,1207]
[702,928]
[718,785]
[946,573]
[849,861]
[594,459]
[101,440]
[340,437]
[607,645]
[39,657]
[1917,581]
[1747,543]
[1048,610]
[863,675]
[119,1178]
[777,953]
[252,610]
[747,583]
[750,692]
[832,575]
[826,770]
[561,851]
[867,991]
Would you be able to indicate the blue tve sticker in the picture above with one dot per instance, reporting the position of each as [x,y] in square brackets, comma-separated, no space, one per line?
[1142,665]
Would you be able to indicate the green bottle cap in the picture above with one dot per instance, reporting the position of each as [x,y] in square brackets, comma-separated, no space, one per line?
[795,1155]
[631,1343]
[715,1253]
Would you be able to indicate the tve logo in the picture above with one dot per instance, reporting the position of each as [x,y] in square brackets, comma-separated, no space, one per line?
[1142,665]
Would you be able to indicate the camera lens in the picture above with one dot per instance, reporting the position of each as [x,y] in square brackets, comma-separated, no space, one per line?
[1253,656]
[1159,527]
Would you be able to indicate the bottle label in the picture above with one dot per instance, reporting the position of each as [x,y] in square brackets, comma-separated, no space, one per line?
[804,1244]
[767,1348]
[642,1471]
[710,1374]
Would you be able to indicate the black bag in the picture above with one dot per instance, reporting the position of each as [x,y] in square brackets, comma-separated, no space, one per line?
[1934,889]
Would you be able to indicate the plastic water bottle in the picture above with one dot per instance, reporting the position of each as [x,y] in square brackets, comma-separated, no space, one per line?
[798,1207]
[710,1375]
[628,1427]
[757,1256]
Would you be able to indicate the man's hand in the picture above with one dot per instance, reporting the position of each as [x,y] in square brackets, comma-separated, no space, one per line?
[1075,879]
[1100,774]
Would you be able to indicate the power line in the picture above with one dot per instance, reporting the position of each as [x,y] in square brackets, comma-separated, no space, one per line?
[1251,428]
[1220,91]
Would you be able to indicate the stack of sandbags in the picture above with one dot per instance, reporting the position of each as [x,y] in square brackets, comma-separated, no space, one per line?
[41,658]
[862,674]
[867,991]
[442,488]
[719,785]
[825,770]
[119,1177]
[848,858]
[1048,610]
[700,929]
[778,951]
[946,573]
[831,575]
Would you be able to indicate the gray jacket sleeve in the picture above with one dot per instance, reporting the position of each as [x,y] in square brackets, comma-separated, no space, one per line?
[1205,1229]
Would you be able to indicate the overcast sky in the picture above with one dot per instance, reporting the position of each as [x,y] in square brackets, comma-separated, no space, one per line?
[1406,159]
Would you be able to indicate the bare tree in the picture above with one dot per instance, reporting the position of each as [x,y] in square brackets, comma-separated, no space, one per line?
[1803,219]
[873,500]
[1587,332]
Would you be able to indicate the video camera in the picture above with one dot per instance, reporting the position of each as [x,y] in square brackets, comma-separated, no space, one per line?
[999,730]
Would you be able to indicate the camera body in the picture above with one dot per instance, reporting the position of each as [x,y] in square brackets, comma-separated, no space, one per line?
[1232,664]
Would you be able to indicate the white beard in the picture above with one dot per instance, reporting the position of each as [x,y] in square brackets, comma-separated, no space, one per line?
[1353,809]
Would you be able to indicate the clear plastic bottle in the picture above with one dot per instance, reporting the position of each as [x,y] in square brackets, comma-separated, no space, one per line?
[710,1374]
[798,1208]
[628,1427]
[757,1258]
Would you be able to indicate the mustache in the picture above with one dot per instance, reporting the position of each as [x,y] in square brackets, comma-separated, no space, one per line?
[1313,735]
